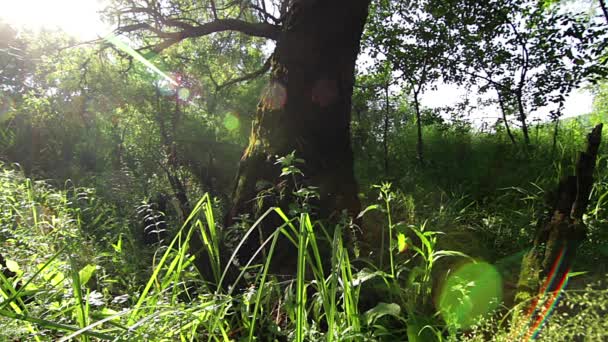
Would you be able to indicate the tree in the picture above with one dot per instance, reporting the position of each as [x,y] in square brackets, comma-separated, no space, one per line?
[306,105]
[413,44]
[530,55]
[43,86]
[546,265]
[373,99]
[12,61]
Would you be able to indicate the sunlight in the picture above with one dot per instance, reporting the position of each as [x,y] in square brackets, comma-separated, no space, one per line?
[78,18]
[470,293]
[138,57]
[232,122]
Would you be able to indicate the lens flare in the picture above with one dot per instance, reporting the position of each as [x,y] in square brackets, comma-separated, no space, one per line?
[275,96]
[470,293]
[175,84]
[550,304]
[536,317]
[138,57]
[183,94]
[231,122]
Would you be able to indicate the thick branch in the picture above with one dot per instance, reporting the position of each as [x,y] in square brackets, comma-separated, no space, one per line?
[144,27]
[263,30]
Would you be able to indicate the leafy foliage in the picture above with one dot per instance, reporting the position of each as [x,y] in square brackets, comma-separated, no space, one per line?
[126,149]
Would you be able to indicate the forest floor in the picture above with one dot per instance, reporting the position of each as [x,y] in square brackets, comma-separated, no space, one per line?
[439,258]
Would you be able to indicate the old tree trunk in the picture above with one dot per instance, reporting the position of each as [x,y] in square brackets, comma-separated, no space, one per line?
[545,267]
[306,109]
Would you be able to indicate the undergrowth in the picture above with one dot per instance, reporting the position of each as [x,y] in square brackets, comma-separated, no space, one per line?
[82,272]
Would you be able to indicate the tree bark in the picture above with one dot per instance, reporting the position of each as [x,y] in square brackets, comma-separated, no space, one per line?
[419,147]
[522,118]
[555,135]
[545,267]
[306,108]
[503,110]
[385,132]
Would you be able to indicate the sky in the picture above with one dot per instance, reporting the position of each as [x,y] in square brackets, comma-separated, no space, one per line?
[76,17]
[579,102]
[80,18]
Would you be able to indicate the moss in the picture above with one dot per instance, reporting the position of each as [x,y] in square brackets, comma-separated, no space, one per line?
[529,278]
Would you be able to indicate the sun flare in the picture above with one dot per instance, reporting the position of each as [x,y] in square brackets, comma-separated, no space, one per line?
[76,17]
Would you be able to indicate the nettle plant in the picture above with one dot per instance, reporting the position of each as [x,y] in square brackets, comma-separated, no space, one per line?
[303,194]
[413,254]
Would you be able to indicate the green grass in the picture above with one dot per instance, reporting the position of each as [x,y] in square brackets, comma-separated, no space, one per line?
[84,275]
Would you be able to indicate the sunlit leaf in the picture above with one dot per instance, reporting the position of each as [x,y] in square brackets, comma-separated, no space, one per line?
[369,208]
[13,266]
[402,242]
[86,273]
[381,310]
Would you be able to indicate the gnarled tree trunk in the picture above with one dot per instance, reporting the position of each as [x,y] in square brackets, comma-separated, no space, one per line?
[306,108]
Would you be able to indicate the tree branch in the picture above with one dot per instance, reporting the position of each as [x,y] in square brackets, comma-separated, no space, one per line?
[485,78]
[264,13]
[262,30]
[604,10]
[247,77]
[213,9]
[169,38]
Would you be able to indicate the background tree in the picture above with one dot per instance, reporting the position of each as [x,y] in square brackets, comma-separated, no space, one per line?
[413,44]
[374,106]
[528,54]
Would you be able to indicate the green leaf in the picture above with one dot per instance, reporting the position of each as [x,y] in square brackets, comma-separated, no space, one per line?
[413,275]
[86,273]
[364,275]
[13,266]
[440,254]
[402,242]
[56,278]
[118,246]
[416,332]
[369,208]
[576,274]
[381,310]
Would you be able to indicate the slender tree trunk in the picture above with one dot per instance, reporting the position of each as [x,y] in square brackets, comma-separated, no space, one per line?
[385,133]
[555,134]
[545,267]
[306,108]
[503,110]
[522,118]
[419,147]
